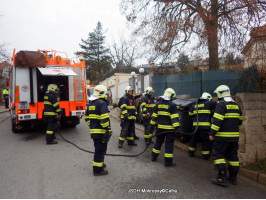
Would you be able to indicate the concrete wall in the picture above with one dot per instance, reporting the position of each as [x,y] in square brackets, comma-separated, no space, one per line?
[252,139]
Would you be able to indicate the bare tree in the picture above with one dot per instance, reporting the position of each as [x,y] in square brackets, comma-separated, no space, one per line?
[3,53]
[168,25]
[124,54]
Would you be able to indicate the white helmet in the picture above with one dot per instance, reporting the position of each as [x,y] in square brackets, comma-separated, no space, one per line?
[128,88]
[100,91]
[169,93]
[52,88]
[206,96]
[148,90]
[222,91]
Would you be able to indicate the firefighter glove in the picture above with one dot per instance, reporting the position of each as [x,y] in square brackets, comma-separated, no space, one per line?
[107,135]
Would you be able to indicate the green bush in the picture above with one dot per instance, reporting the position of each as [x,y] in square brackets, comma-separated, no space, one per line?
[258,166]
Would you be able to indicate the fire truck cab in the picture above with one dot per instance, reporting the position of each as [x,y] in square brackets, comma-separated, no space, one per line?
[30,74]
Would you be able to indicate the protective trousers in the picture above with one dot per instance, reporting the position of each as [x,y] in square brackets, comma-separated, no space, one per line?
[223,151]
[127,131]
[6,101]
[203,136]
[100,151]
[51,127]
[147,126]
[169,147]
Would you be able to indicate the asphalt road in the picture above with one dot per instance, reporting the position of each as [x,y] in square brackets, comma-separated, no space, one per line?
[31,169]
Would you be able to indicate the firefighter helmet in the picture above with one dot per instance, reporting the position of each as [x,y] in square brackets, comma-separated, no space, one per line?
[52,88]
[206,96]
[100,91]
[222,91]
[169,93]
[148,90]
[128,88]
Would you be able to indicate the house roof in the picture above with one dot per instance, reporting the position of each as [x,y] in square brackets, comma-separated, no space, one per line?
[256,33]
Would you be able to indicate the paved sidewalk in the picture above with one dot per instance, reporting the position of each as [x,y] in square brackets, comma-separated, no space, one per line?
[2,108]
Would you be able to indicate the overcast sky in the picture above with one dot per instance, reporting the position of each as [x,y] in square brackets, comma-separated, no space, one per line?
[57,24]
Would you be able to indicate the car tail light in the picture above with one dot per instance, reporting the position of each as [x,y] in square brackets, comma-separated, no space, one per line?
[80,107]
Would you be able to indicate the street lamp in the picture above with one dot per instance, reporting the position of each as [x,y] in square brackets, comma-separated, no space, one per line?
[141,71]
[133,80]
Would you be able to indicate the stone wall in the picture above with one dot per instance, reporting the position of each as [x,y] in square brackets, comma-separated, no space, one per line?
[252,139]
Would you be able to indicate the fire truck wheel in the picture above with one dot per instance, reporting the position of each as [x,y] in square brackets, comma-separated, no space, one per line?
[20,127]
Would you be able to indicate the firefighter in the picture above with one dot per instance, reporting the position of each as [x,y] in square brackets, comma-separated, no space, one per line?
[147,105]
[201,113]
[97,118]
[128,117]
[52,113]
[224,131]
[166,118]
[6,95]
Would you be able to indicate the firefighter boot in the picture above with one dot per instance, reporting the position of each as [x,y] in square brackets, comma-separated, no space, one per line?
[191,153]
[120,144]
[101,173]
[132,143]
[232,178]
[136,137]
[205,156]
[169,165]
[221,178]
[51,142]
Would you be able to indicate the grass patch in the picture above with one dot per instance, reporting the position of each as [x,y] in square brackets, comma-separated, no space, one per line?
[258,166]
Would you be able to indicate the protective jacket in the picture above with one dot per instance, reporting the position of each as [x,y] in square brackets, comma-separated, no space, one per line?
[226,121]
[147,104]
[97,117]
[205,109]
[165,116]
[51,105]
[5,92]
[128,107]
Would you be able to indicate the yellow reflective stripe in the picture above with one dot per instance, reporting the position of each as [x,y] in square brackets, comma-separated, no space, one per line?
[163,113]
[175,124]
[205,152]
[219,161]
[156,151]
[218,116]
[227,134]
[174,115]
[45,97]
[214,127]
[144,109]
[168,155]
[165,126]
[191,149]
[143,104]
[150,106]
[232,115]
[93,116]
[124,112]
[234,163]
[148,136]
[241,117]
[55,104]
[104,116]
[153,122]
[202,112]
[47,103]
[122,139]
[101,131]
[190,113]
[202,123]
[87,117]
[105,124]
[154,115]
[58,110]
[130,138]
[88,122]
[131,107]
[123,105]
[97,164]
[132,117]
[49,113]
[49,132]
